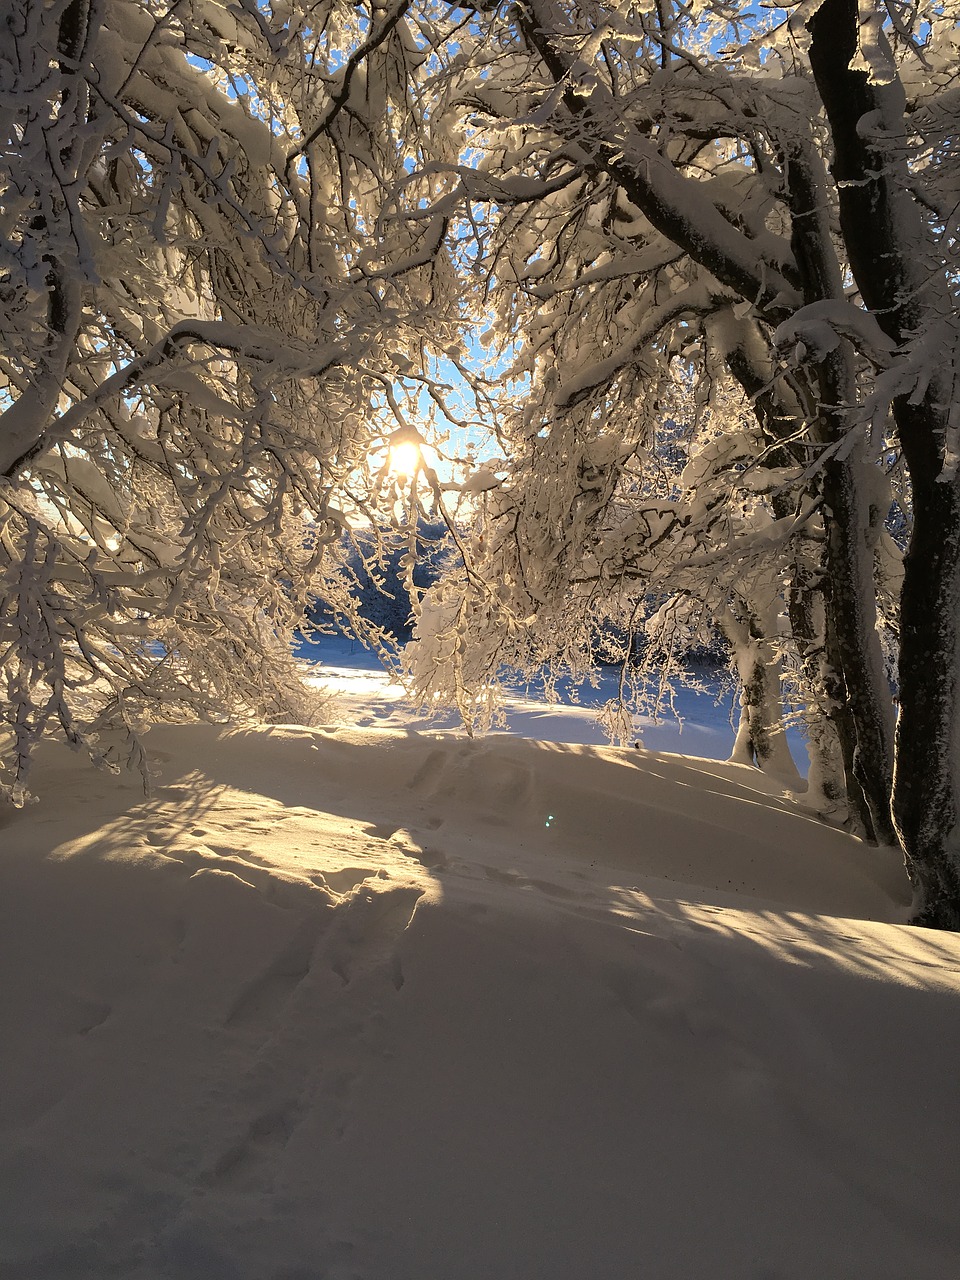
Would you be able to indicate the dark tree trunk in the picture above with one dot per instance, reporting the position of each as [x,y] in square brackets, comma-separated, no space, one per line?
[891,256]
[850,599]
[925,794]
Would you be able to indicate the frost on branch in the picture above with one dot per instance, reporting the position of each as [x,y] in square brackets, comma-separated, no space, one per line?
[214,308]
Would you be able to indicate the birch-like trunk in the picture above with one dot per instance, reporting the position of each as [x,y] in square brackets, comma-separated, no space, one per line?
[761,739]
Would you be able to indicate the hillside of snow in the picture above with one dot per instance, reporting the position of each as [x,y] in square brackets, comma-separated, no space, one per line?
[377,1004]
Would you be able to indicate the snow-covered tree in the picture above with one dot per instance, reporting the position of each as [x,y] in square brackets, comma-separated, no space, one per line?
[772,195]
[383,567]
[213,313]
[238,242]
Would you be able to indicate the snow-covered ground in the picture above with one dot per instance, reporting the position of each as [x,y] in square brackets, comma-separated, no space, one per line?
[366,694]
[373,1003]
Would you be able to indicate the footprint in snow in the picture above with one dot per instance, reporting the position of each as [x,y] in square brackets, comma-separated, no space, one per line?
[239,1165]
[265,997]
[367,930]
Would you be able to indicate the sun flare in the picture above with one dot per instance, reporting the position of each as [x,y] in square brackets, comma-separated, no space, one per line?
[405,458]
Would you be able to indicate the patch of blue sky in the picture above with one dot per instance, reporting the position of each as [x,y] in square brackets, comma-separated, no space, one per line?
[447,414]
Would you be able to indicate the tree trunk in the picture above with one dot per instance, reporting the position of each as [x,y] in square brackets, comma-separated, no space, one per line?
[847,675]
[890,254]
[925,790]
[866,726]
[832,789]
[850,600]
[761,739]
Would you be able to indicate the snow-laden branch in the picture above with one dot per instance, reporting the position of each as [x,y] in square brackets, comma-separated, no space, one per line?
[245,342]
[195,370]
[697,300]
[677,205]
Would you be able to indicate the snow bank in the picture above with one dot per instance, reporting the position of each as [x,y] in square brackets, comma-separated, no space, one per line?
[370,1003]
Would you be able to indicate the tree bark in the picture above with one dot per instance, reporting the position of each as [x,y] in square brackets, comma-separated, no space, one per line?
[867,726]
[850,600]
[761,739]
[844,662]
[902,281]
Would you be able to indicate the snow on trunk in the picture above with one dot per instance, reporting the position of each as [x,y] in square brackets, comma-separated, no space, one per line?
[760,736]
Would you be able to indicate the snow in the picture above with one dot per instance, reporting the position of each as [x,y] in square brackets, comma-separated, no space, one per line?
[366,695]
[385,1003]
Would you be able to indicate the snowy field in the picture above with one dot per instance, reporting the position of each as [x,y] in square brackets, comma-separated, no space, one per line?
[373,1003]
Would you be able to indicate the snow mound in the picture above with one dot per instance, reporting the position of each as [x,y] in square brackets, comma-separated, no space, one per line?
[377,1005]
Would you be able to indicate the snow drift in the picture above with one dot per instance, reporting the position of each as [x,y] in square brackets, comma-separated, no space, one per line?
[374,1004]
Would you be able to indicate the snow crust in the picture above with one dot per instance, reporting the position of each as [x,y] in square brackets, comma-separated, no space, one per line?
[373,1003]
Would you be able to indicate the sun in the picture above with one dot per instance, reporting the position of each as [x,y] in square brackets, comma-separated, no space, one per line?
[405,458]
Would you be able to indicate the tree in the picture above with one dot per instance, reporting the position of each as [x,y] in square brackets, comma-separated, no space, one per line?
[211,326]
[382,570]
[899,243]
[237,244]
[824,292]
